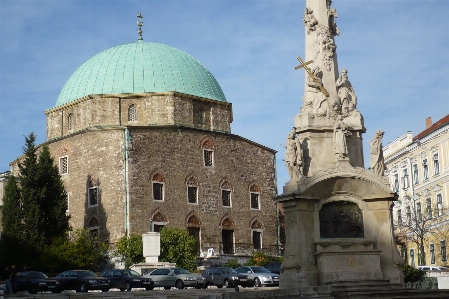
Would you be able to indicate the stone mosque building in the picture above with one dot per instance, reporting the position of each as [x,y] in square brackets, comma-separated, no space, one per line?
[142,135]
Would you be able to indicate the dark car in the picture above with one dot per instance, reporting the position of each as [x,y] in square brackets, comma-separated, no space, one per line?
[125,279]
[224,276]
[258,276]
[274,267]
[176,277]
[35,281]
[81,281]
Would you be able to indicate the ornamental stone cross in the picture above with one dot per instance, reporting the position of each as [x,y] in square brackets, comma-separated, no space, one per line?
[304,65]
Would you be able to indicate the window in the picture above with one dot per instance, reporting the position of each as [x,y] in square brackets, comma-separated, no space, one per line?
[404,253]
[426,169]
[440,205]
[432,254]
[208,157]
[412,257]
[429,208]
[396,183]
[405,180]
[415,174]
[70,121]
[255,197]
[409,216]
[192,189]
[201,116]
[132,112]
[420,261]
[158,182]
[93,196]
[158,221]
[64,165]
[226,190]
[66,202]
[399,217]
[257,240]
[93,227]
[418,211]
[436,164]
[443,250]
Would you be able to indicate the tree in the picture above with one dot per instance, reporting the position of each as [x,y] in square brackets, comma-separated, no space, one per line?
[129,250]
[178,246]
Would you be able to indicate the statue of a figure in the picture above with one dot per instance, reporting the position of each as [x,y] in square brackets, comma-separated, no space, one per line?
[340,133]
[377,163]
[346,93]
[293,156]
[309,20]
[314,99]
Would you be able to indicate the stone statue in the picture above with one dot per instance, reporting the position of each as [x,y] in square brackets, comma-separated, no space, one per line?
[309,20]
[346,93]
[314,99]
[340,133]
[377,163]
[294,159]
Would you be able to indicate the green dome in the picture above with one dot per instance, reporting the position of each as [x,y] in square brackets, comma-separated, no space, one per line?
[141,67]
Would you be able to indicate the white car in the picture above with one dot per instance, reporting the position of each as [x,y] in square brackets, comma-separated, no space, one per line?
[259,276]
[433,268]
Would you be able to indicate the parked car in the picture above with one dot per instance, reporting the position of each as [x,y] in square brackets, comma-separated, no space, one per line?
[82,281]
[35,281]
[258,276]
[274,267]
[433,268]
[125,279]
[224,276]
[176,277]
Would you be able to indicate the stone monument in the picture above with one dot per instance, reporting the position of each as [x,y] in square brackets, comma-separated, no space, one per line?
[338,218]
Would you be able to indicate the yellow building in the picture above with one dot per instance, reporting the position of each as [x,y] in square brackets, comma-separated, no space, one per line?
[418,170]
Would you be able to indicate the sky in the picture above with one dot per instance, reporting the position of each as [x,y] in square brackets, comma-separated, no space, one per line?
[395,51]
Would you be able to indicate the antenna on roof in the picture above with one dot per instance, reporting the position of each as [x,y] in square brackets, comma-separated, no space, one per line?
[139,24]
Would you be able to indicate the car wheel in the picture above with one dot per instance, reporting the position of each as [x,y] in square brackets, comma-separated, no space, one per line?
[179,284]
[227,283]
[128,286]
[219,286]
[149,288]
[83,287]
[197,287]
[167,288]
[105,290]
[122,290]
[204,286]
[257,282]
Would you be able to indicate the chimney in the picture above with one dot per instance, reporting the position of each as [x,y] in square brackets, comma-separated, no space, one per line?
[428,122]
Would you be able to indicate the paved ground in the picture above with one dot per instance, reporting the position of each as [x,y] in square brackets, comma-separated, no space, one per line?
[190,293]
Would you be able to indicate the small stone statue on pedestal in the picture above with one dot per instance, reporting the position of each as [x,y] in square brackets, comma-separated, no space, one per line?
[377,163]
[340,133]
[294,156]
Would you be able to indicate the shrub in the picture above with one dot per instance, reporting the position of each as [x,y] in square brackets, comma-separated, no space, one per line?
[411,274]
[232,263]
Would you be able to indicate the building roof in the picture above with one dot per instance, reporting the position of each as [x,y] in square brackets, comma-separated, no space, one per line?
[432,128]
[141,67]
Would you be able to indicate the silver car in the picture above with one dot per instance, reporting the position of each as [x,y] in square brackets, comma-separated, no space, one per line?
[258,276]
[176,277]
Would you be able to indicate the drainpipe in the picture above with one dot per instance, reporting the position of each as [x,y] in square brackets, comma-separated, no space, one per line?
[126,178]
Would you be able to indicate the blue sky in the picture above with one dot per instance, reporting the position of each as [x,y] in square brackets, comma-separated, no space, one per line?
[395,51]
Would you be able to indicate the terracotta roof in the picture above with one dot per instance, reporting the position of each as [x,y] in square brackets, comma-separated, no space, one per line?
[432,128]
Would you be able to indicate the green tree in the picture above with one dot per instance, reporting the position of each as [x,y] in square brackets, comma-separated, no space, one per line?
[129,250]
[54,221]
[178,246]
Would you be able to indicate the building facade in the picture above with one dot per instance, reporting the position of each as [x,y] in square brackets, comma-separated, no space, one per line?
[142,136]
[418,170]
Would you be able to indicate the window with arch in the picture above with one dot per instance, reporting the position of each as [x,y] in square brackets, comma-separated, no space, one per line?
[208,153]
[70,122]
[192,190]
[64,165]
[227,236]
[201,116]
[92,195]
[436,164]
[256,234]
[93,227]
[226,192]
[132,112]
[158,221]
[158,183]
[193,228]
[425,169]
[405,179]
[254,193]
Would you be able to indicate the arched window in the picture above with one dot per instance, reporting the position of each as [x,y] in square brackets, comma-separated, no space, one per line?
[132,112]
[192,189]
[93,227]
[256,234]
[254,193]
[227,236]
[70,121]
[158,221]
[208,152]
[226,192]
[193,228]
[158,183]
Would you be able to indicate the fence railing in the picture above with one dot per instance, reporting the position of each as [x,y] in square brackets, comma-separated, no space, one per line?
[250,249]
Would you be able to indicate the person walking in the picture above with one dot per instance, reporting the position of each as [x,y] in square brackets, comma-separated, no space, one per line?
[13,278]
[6,273]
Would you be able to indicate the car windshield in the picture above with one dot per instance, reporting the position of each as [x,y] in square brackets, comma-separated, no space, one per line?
[227,271]
[180,271]
[37,275]
[130,273]
[86,273]
[259,270]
